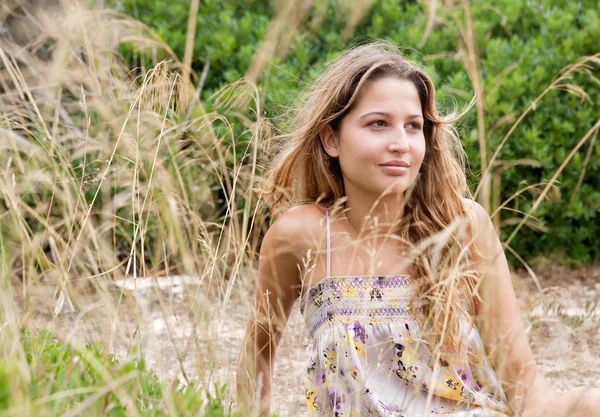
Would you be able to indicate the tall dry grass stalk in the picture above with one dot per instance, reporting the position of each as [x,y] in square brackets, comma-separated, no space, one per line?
[105,177]
[469,54]
[96,164]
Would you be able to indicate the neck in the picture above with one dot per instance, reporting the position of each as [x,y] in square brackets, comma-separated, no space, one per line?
[374,216]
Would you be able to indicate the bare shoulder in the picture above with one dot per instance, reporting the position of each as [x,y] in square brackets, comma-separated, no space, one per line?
[485,238]
[473,206]
[284,250]
[479,216]
[300,228]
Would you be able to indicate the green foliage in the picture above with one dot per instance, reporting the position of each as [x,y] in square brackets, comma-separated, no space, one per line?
[60,378]
[523,47]
[227,33]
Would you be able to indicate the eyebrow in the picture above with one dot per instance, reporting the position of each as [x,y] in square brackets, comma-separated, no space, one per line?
[384,114]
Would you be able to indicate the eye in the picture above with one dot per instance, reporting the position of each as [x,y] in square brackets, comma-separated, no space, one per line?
[415,126]
[378,123]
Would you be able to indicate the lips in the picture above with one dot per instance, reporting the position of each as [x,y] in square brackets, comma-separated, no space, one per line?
[395,168]
[395,164]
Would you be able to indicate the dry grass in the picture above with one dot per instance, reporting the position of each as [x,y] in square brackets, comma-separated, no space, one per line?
[105,177]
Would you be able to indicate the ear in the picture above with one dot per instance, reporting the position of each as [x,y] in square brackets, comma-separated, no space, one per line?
[329,141]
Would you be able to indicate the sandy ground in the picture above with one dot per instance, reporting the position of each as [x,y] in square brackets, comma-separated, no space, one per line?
[188,335]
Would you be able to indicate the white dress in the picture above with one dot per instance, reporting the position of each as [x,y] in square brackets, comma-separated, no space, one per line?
[367,358]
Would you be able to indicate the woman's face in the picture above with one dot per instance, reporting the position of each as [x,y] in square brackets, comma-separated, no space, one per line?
[383,131]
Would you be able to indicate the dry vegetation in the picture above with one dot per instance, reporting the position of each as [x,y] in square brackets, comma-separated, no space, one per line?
[179,340]
[105,176]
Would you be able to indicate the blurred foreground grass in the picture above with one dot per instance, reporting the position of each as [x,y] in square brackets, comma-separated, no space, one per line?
[58,379]
[107,175]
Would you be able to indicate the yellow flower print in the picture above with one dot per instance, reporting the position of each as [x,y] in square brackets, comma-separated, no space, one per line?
[448,388]
[329,359]
[360,349]
[311,397]
[353,374]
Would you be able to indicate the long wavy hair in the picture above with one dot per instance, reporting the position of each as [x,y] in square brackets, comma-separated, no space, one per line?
[435,212]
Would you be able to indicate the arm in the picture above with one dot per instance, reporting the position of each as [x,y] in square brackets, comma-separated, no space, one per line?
[500,323]
[276,292]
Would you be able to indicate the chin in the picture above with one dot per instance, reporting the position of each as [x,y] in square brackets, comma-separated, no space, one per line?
[399,186]
[397,189]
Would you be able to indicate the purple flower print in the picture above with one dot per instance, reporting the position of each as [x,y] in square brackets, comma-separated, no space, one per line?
[406,373]
[394,408]
[360,332]
[464,374]
[336,400]
[321,376]
[332,284]
[379,282]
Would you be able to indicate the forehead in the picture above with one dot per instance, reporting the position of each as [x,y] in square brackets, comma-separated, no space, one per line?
[389,94]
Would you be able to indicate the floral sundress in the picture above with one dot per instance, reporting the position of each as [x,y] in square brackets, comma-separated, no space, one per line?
[367,359]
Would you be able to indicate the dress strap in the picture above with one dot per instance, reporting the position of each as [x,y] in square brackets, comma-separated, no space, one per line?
[328,245]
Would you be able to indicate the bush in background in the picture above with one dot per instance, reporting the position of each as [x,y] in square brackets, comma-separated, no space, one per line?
[514,49]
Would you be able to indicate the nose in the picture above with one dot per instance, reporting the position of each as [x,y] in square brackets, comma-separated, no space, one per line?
[398,141]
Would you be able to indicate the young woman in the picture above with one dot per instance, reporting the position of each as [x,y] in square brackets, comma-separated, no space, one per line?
[402,279]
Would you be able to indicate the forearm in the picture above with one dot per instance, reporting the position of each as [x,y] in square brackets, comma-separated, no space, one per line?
[527,389]
[254,385]
[516,369]
[513,362]
[255,368]
[581,402]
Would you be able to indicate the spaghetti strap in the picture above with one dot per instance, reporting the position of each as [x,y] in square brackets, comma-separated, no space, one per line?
[328,245]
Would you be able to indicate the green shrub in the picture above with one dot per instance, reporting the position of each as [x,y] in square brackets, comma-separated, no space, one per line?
[523,47]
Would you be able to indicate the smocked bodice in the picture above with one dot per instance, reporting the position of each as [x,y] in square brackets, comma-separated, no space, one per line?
[368,299]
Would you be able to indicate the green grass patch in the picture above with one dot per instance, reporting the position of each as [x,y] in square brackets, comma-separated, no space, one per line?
[58,379]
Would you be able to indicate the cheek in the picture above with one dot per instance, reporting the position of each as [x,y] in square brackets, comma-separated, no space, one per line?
[419,155]
[358,150]
[421,150]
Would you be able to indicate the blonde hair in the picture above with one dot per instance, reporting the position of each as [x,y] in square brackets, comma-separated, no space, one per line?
[304,173]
